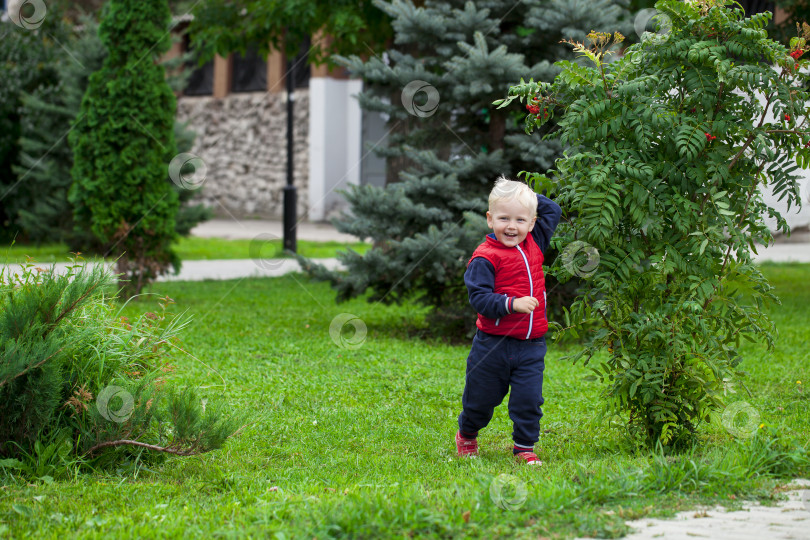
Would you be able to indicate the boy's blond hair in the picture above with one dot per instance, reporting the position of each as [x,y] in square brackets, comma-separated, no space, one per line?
[509,190]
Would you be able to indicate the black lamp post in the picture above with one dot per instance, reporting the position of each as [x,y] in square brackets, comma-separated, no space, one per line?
[290,194]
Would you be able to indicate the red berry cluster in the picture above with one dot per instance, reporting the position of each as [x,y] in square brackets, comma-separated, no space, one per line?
[710,137]
[534,108]
[787,117]
[796,55]
[807,144]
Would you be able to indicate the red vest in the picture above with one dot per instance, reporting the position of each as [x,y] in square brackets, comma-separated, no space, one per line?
[518,272]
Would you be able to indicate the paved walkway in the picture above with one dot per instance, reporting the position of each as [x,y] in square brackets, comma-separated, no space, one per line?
[234,269]
[251,228]
[796,248]
[787,520]
[214,269]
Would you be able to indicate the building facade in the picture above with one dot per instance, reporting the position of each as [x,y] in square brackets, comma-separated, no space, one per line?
[237,107]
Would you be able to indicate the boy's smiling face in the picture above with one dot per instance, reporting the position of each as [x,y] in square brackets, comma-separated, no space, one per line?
[510,221]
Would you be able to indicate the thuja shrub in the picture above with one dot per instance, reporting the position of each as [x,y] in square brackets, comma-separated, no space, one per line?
[668,148]
[79,383]
[123,141]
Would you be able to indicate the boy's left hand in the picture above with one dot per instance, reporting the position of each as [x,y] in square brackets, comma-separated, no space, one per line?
[526,304]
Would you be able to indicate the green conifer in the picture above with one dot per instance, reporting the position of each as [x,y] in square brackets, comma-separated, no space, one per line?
[123,142]
[41,209]
[444,157]
[27,57]
[77,380]
[43,213]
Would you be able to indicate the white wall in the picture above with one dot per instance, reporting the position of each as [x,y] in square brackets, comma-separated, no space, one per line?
[335,124]
[796,217]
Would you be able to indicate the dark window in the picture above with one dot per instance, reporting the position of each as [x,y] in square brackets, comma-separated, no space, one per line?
[249,72]
[301,66]
[201,80]
[752,7]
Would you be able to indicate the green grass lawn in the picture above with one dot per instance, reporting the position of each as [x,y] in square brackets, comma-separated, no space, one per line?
[194,248]
[358,442]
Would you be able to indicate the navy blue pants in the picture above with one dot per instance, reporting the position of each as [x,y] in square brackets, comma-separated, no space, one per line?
[495,364]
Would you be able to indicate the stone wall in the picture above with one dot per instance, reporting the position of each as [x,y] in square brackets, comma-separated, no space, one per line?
[242,139]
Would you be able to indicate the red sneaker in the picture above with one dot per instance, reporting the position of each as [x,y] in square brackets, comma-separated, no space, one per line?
[466,447]
[529,457]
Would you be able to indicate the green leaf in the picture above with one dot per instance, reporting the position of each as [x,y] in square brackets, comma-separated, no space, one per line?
[690,140]
[22,510]
[10,463]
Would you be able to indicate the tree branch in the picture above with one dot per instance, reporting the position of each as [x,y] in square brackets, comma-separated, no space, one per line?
[67,309]
[786,131]
[742,218]
[29,368]
[122,442]
[719,94]
[753,135]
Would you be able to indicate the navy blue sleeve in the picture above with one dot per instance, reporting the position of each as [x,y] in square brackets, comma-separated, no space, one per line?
[480,281]
[548,217]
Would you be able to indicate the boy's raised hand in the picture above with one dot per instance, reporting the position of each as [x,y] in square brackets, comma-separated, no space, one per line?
[526,304]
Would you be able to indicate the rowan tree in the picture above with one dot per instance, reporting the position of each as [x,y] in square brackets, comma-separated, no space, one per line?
[668,148]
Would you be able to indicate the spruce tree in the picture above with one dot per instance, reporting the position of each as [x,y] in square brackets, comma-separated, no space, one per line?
[444,157]
[123,142]
[41,209]
[27,57]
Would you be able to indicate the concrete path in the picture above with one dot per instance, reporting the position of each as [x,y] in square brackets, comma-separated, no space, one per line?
[796,248]
[787,520]
[213,269]
[233,269]
[251,228]
[784,253]
[241,268]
